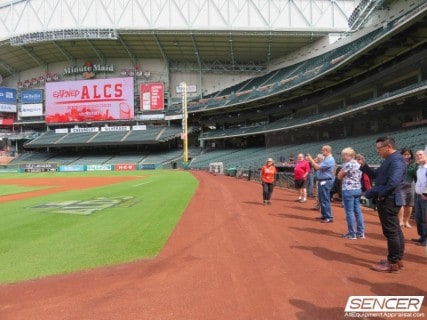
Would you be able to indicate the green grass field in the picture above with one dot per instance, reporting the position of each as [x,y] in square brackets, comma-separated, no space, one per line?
[9,189]
[76,230]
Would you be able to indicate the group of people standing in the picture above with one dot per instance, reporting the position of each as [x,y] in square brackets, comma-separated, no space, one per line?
[392,191]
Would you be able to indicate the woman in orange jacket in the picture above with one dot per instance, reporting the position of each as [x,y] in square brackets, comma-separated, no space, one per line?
[268,174]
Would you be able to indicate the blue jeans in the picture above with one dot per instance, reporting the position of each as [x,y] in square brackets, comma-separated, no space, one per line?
[353,211]
[310,184]
[325,188]
[267,191]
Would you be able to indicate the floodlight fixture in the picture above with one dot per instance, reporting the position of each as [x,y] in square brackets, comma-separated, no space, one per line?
[63,34]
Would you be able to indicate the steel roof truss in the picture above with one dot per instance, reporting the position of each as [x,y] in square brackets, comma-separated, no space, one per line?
[196,50]
[131,56]
[159,45]
[32,56]
[8,67]
[64,53]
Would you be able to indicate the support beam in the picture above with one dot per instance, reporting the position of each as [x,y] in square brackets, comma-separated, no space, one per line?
[64,53]
[32,56]
[8,67]
[159,45]
[98,53]
[362,12]
[233,59]
[196,51]
[131,56]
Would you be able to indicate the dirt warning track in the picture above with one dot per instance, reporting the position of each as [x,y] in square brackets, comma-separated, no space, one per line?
[231,258]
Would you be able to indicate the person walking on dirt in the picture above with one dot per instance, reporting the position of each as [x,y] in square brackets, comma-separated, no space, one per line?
[268,174]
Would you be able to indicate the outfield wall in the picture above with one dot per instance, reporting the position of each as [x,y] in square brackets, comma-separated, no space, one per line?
[54,167]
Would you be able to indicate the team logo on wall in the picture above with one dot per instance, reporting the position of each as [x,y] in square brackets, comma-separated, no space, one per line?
[88,73]
[87,207]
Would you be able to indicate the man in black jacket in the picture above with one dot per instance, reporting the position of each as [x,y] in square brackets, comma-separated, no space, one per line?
[388,179]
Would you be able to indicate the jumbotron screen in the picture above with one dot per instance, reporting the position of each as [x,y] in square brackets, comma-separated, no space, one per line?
[90,100]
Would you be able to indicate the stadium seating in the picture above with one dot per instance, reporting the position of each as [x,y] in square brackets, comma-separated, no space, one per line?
[162,158]
[76,138]
[305,120]
[151,134]
[31,157]
[170,132]
[64,160]
[285,78]
[130,158]
[109,137]
[48,137]
[255,157]
[92,160]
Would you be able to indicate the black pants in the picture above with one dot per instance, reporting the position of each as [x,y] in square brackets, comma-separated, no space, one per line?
[388,214]
[420,215]
[267,190]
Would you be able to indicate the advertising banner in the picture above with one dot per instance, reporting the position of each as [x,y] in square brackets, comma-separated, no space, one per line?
[151,116]
[8,95]
[89,100]
[190,89]
[72,168]
[84,130]
[99,167]
[7,107]
[174,117]
[139,127]
[39,167]
[124,167]
[152,96]
[115,128]
[32,96]
[32,110]
[61,130]
[149,166]
[6,122]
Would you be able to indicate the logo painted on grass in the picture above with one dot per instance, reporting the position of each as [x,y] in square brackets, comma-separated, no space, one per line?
[87,207]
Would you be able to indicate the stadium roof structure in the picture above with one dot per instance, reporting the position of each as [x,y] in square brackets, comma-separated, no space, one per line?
[198,35]
[197,50]
[367,54]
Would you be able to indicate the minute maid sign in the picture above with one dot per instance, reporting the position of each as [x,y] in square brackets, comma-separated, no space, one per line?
[88,70]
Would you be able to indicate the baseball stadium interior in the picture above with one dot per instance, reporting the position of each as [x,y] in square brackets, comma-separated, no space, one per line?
[201,91]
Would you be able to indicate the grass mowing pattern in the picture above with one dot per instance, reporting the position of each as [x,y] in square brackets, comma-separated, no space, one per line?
[8,189]
[37,242]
